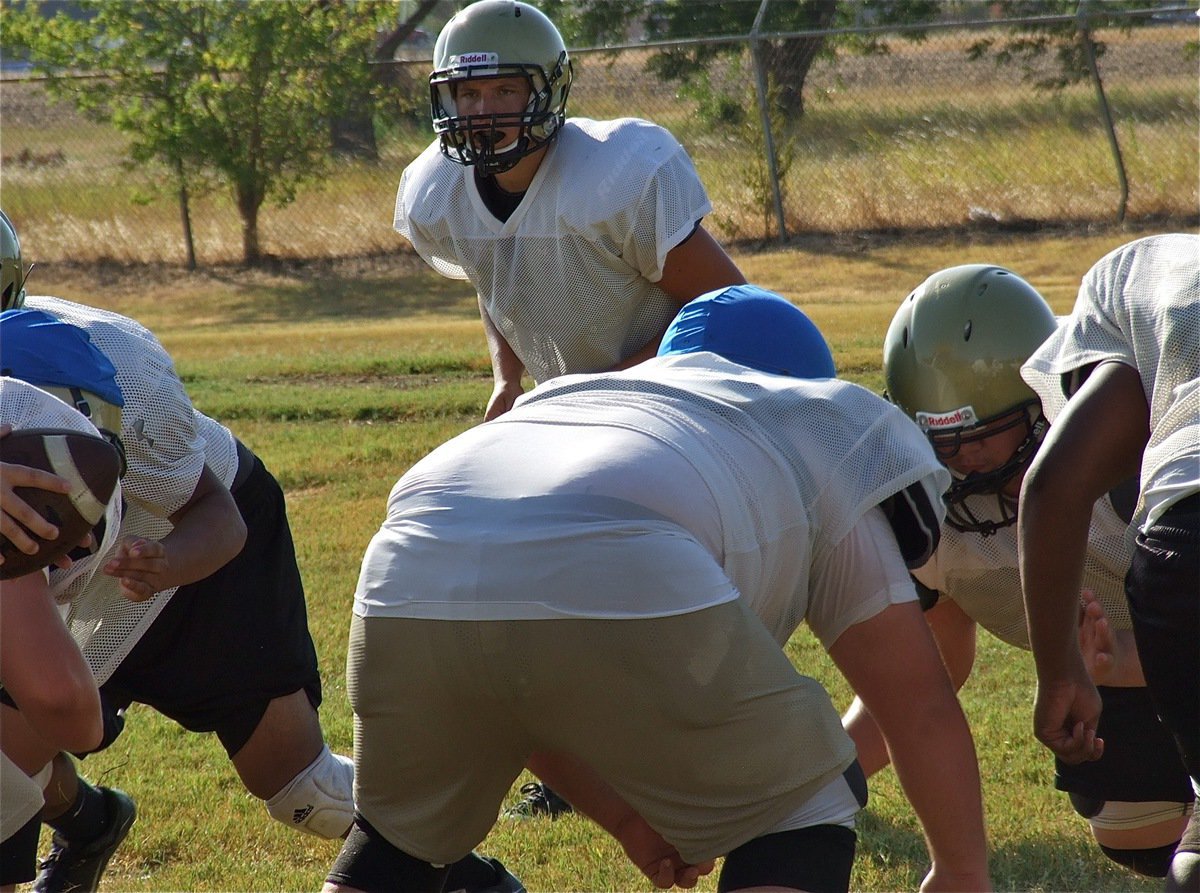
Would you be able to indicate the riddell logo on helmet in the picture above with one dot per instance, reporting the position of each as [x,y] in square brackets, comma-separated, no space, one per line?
[475,63]
[964,417]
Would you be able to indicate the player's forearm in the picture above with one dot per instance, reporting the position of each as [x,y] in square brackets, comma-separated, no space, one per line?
[934,758]
[507,368]
[207,539]
[42,668]
[1053,531]
[580,786]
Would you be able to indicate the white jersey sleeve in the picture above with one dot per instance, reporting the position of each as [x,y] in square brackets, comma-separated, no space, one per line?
[24,406]
[1140,305]
[570,279]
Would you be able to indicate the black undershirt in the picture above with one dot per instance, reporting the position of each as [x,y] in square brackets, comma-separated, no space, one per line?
[499,201]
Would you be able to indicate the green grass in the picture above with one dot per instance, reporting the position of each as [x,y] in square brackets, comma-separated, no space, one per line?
[341,375]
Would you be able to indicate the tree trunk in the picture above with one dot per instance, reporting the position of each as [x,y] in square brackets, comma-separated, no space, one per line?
[249,200]
[353,133]
[185,214]
[788,62]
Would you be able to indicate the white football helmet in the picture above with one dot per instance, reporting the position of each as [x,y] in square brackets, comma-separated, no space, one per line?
[491,39]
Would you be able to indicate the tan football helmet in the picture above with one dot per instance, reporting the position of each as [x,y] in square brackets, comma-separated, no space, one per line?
[952,361]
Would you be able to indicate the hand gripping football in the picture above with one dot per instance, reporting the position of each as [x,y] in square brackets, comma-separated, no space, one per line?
[93,467]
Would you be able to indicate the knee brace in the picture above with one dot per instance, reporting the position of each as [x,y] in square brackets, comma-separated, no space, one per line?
[1126,815]
[818,857]
[1119,815]
[370,863]
[320,800]
[1151,861]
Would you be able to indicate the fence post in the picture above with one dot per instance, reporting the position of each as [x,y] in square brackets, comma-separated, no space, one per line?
[760,83]
[1089,52]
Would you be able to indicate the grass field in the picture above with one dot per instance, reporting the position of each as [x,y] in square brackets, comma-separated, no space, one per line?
[342,374]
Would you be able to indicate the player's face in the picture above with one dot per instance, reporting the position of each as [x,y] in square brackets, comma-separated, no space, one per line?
[493,96]
[982,449]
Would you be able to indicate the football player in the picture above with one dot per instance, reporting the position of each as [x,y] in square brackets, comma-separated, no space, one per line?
[952,362]
[42,671]
[199,611]
[582,238]
[1128,359]
[646,540]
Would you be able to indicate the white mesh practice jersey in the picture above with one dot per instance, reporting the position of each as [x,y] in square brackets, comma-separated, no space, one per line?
[569,279]
[167,444]
[24,406]
[1140,305]
[740,482]
[980,573]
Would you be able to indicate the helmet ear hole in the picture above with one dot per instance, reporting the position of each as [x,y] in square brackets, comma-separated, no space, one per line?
[967,331]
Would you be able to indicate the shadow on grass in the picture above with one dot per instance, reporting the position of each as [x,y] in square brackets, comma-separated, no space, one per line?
[312,291]
[1053,862]
[373,287]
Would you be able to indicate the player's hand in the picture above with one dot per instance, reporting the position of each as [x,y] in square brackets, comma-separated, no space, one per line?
[140,566]
[1097,643]
[1110,655]
[656,858]
[504,395]
[17,518]
[1065,716]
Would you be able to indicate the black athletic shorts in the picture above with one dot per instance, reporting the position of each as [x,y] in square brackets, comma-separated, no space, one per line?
[227,645]
[1141,762]
[1163,588]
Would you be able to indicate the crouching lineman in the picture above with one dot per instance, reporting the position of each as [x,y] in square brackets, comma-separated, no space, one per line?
[199,612]
[1128,359]
[986,424]
[647,539]
[42,671]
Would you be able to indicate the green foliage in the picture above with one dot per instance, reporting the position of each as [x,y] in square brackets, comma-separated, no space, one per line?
[243,92]
[1062,41]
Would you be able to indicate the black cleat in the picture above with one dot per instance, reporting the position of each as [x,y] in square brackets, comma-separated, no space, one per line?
[76,868]
[538,800]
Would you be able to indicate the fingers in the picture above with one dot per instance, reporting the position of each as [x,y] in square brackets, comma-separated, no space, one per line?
[18,520]
[141,567]
[1078,745]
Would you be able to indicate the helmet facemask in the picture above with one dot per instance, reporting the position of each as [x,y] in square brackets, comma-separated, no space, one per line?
[472,139]
[994,482]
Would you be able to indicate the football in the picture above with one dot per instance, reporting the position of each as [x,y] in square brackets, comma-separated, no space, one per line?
[90,463]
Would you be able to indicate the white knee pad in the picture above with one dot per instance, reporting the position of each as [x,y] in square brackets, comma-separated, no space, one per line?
[320,800]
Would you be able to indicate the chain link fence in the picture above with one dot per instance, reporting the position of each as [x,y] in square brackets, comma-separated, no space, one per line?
[916,136]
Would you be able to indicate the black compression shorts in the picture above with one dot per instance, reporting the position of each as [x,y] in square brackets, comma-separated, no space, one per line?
[227,645]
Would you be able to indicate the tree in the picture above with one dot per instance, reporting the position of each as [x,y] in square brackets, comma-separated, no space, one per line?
[242,91]
[787,60]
